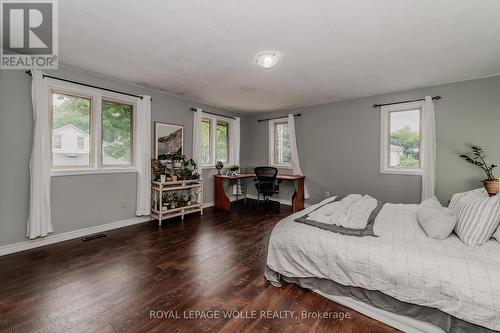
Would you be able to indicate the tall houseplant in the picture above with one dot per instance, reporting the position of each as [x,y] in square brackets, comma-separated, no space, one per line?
[479,158]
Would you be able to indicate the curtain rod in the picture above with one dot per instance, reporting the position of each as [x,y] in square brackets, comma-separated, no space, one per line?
[88,85]
[437,98]
[295,115]
[215,114]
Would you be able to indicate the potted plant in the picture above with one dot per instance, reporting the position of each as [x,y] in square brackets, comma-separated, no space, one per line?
[184,173]
[190,164]
[219,165]
[233,170]
[174,200]
[178,159]
[156,168]
[166,200]
[181,201]
[491,183]
[192,167]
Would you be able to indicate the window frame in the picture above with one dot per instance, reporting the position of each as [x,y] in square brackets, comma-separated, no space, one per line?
[95,138]
[85,95]
[210,162]
[214,120]
[385,138]
[228,143]
[132,163]
[272,125]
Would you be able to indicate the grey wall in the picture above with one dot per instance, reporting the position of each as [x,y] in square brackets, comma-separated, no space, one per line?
[339,145]
[77,201]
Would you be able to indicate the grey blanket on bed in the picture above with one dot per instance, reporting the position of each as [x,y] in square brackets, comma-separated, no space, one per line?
[366,231]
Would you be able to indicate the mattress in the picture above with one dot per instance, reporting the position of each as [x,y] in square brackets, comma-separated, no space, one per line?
[402,263]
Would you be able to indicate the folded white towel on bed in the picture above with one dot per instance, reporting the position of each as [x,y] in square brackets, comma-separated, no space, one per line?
[351,212]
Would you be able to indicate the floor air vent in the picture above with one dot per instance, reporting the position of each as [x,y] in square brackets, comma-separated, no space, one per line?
[92,237]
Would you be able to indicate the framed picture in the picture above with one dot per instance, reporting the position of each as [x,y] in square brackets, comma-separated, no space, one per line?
[169,139]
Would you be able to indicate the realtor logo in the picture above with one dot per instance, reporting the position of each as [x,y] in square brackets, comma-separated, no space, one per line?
[29,34]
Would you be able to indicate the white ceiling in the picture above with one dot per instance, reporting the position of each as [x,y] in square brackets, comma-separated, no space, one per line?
[331,49]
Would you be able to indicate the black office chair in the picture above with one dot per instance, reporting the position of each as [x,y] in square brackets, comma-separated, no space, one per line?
[265,182]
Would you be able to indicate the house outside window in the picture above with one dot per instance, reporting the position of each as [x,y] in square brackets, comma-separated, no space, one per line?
[81,143]
[57,141]
[92,130]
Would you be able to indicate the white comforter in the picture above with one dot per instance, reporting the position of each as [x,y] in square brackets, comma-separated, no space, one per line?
[402,262]
[351,212]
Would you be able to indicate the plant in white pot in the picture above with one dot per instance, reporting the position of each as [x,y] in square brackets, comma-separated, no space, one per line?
[491,184]
[178,158]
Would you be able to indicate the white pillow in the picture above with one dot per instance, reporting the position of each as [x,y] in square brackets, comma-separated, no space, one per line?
[437,223]
[432,202]
[477,219]
[479,193]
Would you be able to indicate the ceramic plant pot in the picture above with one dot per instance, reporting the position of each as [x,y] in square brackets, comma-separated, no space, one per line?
[491,186]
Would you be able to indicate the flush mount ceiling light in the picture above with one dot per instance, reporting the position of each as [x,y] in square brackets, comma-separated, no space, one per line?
[267,59]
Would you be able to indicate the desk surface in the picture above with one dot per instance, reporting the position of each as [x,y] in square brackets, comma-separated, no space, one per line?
[252,175]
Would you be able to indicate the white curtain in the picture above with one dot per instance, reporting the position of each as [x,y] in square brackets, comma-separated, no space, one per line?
[295,154]
[143,155]
[197,156]
[234,146]
[428,149]
[39,216]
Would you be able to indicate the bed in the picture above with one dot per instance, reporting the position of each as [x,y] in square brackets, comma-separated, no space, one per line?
[401,272]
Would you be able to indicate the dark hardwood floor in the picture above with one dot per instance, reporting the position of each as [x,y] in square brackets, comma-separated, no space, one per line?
[122,282]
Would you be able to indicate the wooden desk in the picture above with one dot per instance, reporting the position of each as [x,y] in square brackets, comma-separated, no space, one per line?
[222,201]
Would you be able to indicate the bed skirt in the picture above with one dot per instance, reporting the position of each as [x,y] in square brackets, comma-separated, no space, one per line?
[380,300]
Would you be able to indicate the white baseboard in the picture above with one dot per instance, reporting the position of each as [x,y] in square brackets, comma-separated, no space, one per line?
[208,204]
[51,239]
[211,203]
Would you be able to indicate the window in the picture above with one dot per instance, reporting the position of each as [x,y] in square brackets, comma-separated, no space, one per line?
[215,143]
[116,119]
[205,142]
[57,141]
[400,140]
[71,118]
[81,143]
[222,150]
[92,130]
[280,152]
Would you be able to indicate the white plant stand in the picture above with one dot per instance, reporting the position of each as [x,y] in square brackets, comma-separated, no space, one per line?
[160,211]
